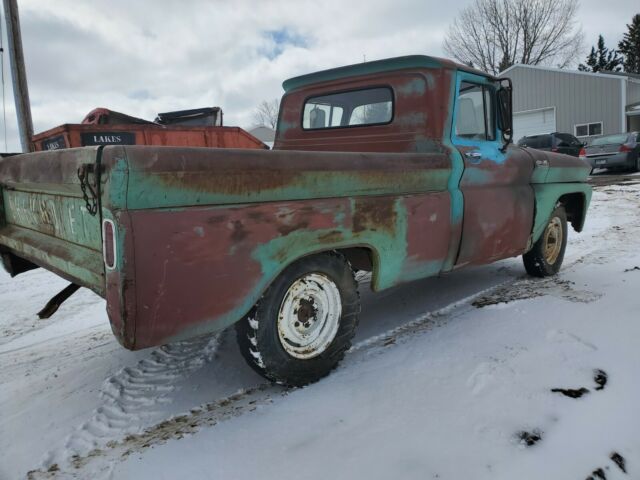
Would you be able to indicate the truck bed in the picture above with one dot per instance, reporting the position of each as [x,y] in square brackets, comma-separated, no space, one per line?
[200,233]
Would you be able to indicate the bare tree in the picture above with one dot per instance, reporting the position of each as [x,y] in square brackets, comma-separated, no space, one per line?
[492,35]
[266,114]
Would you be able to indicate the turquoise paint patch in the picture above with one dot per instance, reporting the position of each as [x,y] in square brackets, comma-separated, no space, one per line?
[390,248]
[453,184]
[415,87]
[490,149]
[114,192]
[539,174]
[547,196]
[431,82]
[284,127]
[412,121]
[146,191]
[65,218]
[567,174]
[428,145]
[415,270]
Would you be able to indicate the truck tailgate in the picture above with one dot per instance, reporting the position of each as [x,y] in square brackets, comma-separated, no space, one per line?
[43,215]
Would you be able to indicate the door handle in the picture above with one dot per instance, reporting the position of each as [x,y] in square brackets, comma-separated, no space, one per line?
[475,157]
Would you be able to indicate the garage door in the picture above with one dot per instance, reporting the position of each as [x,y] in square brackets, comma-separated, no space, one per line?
[534,122]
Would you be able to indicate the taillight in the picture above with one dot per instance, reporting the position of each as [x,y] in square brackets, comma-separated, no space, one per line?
[583,152]
[625,148]
[109,244]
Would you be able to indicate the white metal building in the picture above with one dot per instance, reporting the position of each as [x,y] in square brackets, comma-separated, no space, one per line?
[584,104]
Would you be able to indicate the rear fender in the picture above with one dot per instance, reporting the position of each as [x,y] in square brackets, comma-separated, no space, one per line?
[199,270]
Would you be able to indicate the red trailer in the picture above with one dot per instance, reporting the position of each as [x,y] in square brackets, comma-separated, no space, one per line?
[188,128]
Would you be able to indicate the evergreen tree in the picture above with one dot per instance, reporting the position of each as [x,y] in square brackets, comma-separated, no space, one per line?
[601,59]
[629,46]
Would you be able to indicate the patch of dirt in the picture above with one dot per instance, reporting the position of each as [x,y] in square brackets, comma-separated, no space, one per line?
[207,415]
[529,439]
[619,461]
[636,268]
[506,294]
[600,377]
[532,288]
[571,392]
[597,474]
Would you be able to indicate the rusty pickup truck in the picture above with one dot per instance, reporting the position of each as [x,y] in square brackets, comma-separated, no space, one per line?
[403,167]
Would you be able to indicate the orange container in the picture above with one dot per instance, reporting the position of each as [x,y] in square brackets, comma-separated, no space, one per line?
[80,135]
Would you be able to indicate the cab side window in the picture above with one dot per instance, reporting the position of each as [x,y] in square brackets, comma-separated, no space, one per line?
[475,118]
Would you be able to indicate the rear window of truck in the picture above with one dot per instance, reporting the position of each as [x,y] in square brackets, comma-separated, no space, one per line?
[371,106]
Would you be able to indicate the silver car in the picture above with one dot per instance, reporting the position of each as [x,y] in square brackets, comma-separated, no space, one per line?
[621,150]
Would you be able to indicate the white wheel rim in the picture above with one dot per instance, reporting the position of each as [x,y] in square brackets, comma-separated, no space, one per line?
[309,316]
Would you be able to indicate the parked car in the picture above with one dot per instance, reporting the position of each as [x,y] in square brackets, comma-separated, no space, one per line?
[619,151]
[553,142]
[403,167]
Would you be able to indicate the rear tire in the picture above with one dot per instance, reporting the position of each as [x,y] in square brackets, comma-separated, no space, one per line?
[547,254]
[304,323]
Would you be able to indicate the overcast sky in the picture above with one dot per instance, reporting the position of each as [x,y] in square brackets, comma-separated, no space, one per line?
[147,56]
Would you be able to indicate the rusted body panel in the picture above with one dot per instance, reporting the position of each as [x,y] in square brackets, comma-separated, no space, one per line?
[168,177]
[200,269]
[44,219]
[498,207]
[200,233]
[201,240]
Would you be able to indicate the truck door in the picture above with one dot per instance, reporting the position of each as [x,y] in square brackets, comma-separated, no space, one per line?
[498,197]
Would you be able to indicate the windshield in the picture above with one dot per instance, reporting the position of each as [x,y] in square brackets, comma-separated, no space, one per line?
[566,140]
[537,141]
[609,139]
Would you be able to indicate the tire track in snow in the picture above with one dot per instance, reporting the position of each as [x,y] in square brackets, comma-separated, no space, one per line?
[131,395]
[244,401]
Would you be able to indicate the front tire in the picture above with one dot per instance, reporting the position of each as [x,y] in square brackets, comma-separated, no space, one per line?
[304,323]
[547,254]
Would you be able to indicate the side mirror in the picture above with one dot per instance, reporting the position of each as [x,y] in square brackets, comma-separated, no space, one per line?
[505,112]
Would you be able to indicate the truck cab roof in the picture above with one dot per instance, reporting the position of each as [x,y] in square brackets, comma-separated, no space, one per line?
[377,66]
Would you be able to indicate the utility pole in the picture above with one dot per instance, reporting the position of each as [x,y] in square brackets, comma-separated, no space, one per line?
[18,74]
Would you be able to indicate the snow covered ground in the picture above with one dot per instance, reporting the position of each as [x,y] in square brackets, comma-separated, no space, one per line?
[450,378]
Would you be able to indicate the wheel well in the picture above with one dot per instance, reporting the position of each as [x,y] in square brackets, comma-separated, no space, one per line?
[360,258]
[574,204]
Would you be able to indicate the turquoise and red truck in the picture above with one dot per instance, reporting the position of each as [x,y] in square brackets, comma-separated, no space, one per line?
[403,167]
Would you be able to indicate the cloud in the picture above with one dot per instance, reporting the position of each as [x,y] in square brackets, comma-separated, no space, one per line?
[147,56]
